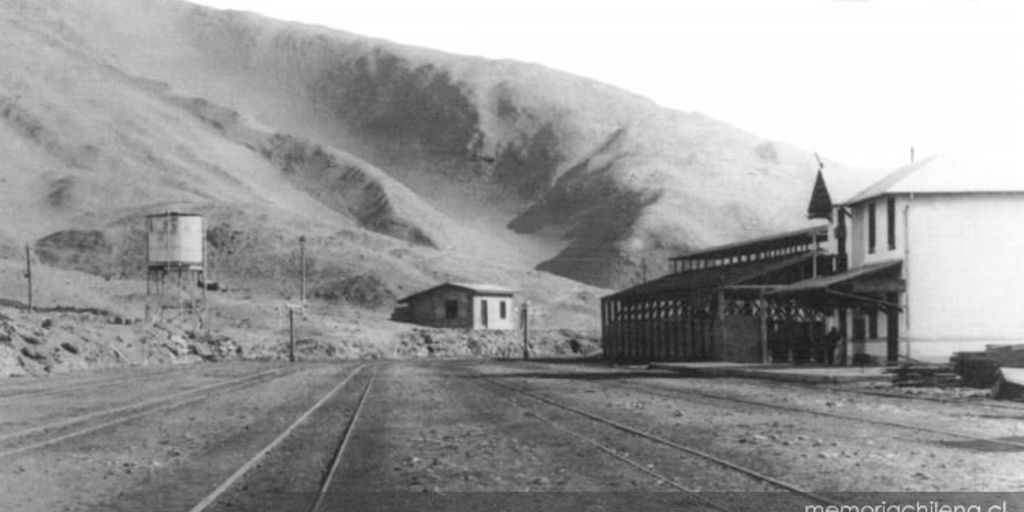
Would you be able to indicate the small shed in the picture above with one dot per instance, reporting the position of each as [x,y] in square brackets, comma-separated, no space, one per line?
[460,305]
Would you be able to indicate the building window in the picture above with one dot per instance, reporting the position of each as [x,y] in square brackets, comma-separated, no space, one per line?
[873,325]
[858,327]
[871,228]
[890,214]
[841,233]
[451,309]
[503,310]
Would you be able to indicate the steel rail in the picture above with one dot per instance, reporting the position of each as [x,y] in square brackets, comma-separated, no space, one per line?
[89,384]
[1013,406]
[666,442]
[611,451]
[834,415]
[214,495]
[846,389]
[805,410]
[125,408]
[346,435]
[183,398]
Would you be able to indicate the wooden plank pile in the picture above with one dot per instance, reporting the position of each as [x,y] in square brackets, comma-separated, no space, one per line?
[924,375]
[981,369]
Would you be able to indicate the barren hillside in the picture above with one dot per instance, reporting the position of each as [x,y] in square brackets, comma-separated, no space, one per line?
[403,166]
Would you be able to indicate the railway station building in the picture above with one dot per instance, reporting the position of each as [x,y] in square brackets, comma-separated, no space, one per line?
[921,263]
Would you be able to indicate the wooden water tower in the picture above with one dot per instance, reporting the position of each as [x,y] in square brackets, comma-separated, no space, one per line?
[176,265]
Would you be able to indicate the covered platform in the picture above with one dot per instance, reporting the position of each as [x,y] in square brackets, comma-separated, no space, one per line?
[714,306]
[865,302]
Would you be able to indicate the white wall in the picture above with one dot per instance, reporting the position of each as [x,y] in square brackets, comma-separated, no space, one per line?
[494,319]
[859,231]
[965,274]
[857,235]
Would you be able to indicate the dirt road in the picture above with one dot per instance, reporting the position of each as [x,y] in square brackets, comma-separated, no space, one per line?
[482,435]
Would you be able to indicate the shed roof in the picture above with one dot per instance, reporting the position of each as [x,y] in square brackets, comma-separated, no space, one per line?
[944,174]
[768,242]
[706,279]
[476,288]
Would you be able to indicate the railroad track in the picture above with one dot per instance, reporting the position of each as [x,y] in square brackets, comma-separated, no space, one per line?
[233,480]
[55,432]
[847,389]
[89,384]
[698,496]
[672,392]
[826,414]
[1014,406]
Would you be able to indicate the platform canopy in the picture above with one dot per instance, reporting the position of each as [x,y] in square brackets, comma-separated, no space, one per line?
[868,284]
[709,279]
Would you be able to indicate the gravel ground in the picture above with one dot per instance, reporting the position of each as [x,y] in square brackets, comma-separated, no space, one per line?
[448,434]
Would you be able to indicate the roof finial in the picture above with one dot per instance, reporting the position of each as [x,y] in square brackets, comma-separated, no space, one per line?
[821,165]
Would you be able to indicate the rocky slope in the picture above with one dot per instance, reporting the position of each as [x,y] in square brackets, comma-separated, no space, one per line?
[116,108]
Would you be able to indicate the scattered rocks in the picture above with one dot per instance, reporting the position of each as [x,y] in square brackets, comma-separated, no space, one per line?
[177,345]
[32,339]
[33,353]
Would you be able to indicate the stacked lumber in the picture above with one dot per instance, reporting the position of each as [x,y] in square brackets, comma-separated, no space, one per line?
[981,369]
[924,375]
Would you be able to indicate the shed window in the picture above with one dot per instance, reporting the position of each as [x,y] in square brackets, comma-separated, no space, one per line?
[503,310]
[451,309]
[890,214]
[871,228]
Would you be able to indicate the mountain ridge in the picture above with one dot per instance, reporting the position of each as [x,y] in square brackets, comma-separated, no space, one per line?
[502,162]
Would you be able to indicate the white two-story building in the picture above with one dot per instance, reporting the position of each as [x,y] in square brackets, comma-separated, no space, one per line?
[930,261]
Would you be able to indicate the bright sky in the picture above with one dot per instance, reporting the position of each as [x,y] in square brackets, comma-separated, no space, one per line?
[859,81]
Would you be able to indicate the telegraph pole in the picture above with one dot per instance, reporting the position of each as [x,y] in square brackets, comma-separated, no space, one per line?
[302,267]
[524,319]
[291,329]
[291,334]
[28,274]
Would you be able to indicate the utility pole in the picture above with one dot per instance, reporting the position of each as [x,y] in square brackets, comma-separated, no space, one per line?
[302,267]
[524,320]
[291,329]
[28,274]
[291,334]
[762,318]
